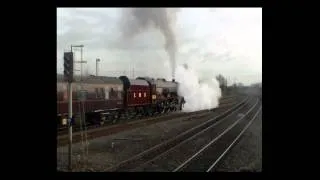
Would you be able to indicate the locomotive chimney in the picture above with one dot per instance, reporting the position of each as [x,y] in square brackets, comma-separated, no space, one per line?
[173,80]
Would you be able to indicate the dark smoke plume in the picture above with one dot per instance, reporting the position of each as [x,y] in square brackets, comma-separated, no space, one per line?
[136,20]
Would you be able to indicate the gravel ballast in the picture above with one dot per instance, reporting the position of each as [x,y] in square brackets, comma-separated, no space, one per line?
[246,155]
[106,151]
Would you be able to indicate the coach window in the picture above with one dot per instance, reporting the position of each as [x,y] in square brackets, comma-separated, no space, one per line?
[134,95]
[97,93]
[86,94]
[111,93]
[106,93]
[144,94]
[60,96]
[139,94]
[102,92]
[74,95]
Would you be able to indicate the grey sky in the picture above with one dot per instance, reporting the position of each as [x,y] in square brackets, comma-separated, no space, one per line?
[222,40]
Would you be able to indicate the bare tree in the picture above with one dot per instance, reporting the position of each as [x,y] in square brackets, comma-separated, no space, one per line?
[240,85]
[222,82]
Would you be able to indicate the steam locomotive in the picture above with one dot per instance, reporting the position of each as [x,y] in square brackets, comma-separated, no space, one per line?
[101,99]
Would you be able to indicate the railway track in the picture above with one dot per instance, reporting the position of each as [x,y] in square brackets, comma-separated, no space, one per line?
[161,148]
[63,131]
[206,159]
[107,130]
[214,164]
[213,142]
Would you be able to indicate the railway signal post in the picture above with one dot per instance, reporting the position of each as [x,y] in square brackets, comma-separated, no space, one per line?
[81,61]
[68,75]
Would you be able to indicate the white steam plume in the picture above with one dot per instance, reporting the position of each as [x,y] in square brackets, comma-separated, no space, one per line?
[198,95]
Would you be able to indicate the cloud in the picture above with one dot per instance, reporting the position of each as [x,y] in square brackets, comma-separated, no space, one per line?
[220,40]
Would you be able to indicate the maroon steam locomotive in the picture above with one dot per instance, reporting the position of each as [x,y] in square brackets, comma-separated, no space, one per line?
[100,99]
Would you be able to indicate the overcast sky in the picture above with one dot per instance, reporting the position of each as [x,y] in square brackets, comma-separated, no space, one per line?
[221,40]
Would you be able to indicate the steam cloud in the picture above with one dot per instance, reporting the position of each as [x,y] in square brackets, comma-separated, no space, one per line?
[199,95]
[136,20]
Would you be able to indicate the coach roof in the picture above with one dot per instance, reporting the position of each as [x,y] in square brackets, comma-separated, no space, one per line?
[93,79]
